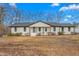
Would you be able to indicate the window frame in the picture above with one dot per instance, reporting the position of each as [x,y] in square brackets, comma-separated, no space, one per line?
[54,28]
[15,29]
[39,28]
[24,29]
[69,29]
[62,29]
[45,29]
[33,29]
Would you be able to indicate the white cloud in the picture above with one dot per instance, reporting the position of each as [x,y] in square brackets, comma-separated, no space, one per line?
[70,7]
[12,4]
[63,8]
[55,4]
[69,16]
[65,19]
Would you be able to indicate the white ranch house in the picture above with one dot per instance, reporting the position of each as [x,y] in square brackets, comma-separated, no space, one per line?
[43,28]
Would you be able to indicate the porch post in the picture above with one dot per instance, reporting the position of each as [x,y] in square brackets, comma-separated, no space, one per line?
[29,31]
[43,30]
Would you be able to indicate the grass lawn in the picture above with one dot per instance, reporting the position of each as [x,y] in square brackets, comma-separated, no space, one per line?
[41,45]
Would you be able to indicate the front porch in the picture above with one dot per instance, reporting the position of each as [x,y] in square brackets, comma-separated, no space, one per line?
[38,31]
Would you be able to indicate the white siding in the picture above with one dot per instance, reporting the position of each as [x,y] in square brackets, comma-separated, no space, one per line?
[66,30]
[29,29]
[72,29]
[77,29]
[20,30]
[49,29]
[59,29]
[56,30]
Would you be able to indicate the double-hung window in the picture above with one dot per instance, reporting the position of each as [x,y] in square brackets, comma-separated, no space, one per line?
[33,29]
[24,29]
[15,29]
[45,28]
[54,28]
[39,28]
[68,28]
[62,29]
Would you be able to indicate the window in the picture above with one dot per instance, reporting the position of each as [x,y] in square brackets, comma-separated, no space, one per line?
[45,29]
[68,28]
[39,28]
[24,28]
[33,29]
[15,29]
[54,28]
[62,28]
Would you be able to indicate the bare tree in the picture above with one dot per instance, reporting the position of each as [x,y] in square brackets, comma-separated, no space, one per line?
[8,15]
[1,19]
[1,14]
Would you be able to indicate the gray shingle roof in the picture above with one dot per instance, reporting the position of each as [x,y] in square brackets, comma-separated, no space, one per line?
[21,24]
[49,23]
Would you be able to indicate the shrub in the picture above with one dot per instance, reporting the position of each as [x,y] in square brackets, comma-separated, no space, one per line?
[27,34]
[9,34]
[17,34]
[51,33]
[60,33]
[1,34]
[73,33]
[14,34]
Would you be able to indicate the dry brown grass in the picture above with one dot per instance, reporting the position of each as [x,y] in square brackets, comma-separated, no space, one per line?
[41,45]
